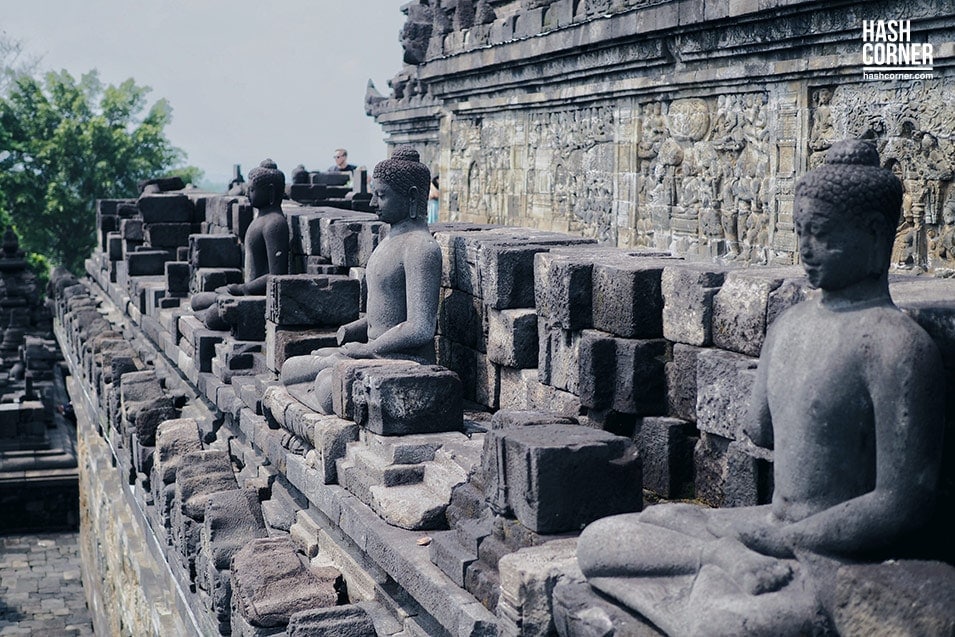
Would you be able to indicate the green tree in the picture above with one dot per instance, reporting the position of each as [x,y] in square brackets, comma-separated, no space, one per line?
[65,143]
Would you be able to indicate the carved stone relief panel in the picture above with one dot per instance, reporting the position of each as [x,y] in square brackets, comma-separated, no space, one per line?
[705,186]
[912,125]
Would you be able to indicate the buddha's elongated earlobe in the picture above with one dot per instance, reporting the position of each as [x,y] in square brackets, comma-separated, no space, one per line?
[413,203]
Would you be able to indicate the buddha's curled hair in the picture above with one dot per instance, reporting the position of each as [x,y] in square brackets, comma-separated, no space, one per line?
[852,180]
[403,170]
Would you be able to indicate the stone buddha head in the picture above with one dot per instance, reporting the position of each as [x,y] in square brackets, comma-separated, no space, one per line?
[401,186]
[266,185]
[846,214]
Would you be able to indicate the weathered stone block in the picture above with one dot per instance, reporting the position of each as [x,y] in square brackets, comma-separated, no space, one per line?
[528,577]
[301,299]
[341,621]
[174,439]
[201,474]
[282,343]
[426,399]
[461,318]
[507,269]
[681,381]
[306,229]
[346,373]
[563,288]
[214,251]
[246,314]
[210,279]
[165,208]
[132,229]
[666,450]
[512,337]
[561,477]
[178,275]
[748,480]
[740,308]
[724,382]
[903,597]
[709,462]
[204,347]
[628,300]
[558,359]
[147,262]
[270,583]
[168,235]
[688,291]
[479,377]
[622,374]
[231,519]
[240,218]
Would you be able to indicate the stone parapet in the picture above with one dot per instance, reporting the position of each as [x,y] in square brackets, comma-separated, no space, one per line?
[615,377]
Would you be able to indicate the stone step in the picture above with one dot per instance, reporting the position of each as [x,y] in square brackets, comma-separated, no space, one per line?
[414,507]
[467,502]
[382,472]
[444,473]
[447,553]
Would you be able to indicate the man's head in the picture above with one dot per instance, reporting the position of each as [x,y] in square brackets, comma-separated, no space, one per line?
[266,184]
[846,214]
[341,158]
[407,178]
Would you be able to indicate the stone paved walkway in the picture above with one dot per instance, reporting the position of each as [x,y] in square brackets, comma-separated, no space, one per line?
[41,588]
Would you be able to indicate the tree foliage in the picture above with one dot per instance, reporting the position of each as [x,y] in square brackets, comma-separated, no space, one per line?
[65,143]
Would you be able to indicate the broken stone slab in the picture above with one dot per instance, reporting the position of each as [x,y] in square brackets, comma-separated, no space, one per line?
[422,399]
[270,584]
[688,291]
[558,478]
[309,300]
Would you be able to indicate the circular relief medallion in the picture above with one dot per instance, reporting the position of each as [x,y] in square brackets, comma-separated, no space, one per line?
[688,119]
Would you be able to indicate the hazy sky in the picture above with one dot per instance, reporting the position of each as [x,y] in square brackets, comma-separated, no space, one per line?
[246,80]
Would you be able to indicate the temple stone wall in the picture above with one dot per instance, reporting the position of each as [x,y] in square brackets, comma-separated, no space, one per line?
[678,125]
[584,381]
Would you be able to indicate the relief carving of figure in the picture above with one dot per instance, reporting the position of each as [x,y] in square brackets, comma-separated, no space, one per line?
[852,478]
